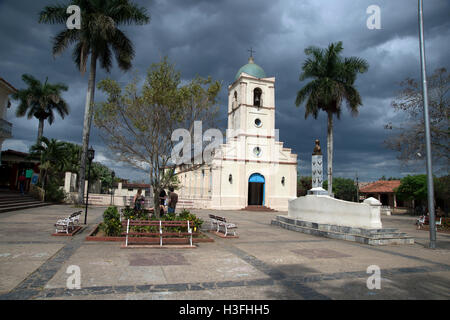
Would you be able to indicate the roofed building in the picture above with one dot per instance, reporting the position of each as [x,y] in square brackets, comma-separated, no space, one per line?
[384,191]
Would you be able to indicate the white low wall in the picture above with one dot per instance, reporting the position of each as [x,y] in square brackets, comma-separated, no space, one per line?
[327,210]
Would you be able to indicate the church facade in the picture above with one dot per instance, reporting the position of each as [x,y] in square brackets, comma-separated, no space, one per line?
[252,168]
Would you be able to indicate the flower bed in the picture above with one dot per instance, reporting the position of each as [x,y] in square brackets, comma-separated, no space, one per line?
[98,235]
[111,227]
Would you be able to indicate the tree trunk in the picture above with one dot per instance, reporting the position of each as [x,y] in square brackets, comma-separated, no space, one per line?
[156,202]
[330,153]
[40,130]
[88,112]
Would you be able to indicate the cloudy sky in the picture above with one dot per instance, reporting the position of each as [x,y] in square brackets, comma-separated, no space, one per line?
[211,38]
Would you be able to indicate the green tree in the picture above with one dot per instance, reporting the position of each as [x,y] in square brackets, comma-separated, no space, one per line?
[41,100]
[303,185]
[52,157]
[99,38]
[344,189]
[413,188]
[137,124]
[333,79]
[72,155]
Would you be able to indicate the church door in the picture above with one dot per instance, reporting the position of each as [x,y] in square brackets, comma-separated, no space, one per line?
[256,190]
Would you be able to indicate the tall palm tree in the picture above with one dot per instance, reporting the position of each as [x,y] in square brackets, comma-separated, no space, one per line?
[41,100]
[99,37]
[333,79]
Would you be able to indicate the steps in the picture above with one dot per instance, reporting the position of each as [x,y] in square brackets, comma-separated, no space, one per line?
[258,208]
[11,201]
[384,236]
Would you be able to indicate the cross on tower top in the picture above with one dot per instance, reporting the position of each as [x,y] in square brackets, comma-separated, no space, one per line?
[250,59]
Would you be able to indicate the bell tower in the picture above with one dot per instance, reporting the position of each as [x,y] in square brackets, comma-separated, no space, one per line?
[251,101]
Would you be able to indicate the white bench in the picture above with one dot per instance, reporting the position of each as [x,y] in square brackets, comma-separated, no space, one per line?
[219,223]
[425,220]
[69,223]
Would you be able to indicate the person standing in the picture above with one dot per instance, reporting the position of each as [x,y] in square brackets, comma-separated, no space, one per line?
[173,199]
[162,201]
[22,180]
[138,200]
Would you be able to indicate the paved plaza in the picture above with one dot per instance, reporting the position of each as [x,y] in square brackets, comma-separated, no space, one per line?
[265,262]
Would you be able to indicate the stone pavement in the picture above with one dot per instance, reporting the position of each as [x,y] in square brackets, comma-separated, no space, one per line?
[265,262]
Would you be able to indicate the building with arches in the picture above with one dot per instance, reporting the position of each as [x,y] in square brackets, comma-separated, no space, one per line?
[252,168]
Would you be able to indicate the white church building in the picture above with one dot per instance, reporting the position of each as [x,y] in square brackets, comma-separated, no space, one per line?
[252,169]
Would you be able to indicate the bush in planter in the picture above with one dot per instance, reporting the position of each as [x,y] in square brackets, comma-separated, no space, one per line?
[111,225]
[186,215]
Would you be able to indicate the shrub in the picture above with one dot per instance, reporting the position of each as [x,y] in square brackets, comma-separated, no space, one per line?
[53,193]
[186,215]
[111,225]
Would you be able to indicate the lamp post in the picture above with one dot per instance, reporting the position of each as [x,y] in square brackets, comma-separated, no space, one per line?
[113,174]
[427,130]
[90,156]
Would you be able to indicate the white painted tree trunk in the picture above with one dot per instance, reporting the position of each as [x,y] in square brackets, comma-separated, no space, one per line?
[330,153]
[88,112]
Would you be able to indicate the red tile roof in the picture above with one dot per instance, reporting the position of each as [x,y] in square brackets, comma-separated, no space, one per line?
[382,186]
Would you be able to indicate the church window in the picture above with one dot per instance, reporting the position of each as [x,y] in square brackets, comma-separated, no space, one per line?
[258,122]
[257,93]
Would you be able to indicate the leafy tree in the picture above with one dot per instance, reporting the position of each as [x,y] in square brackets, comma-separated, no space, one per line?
[52,157]
[137,125]
[416,188]
[333,79]
[303,185]
[408,138]
[72,156]
[99,38]
[413,188]
[344,189]
[41,100]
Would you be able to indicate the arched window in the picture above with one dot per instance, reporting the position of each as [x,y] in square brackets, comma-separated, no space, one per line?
[257,93]
[235,96]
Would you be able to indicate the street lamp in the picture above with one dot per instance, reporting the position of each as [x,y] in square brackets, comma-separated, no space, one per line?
[427,130]
[113,174]
[90,156]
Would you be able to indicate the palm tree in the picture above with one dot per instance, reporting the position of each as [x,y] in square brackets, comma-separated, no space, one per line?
[41,100]
[52,155]
[333,79]
[99,37]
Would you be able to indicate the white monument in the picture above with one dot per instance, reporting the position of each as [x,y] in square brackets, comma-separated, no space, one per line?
[319,214]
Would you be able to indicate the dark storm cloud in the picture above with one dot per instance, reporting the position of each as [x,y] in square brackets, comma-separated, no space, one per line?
[212,38]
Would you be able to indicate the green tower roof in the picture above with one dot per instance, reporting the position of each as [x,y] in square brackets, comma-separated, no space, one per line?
[252,69]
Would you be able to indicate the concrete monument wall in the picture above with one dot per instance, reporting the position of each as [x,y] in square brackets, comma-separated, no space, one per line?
[331,211]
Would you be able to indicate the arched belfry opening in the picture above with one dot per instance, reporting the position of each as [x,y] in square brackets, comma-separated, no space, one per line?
[257,96]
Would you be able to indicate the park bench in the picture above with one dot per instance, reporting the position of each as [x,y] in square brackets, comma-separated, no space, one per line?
[425,220]
[160,230]
[220,224]
[69,223]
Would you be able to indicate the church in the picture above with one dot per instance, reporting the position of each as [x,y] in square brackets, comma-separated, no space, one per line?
[252,169]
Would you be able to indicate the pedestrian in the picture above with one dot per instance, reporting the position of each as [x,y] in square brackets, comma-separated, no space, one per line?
[138,200]
[162,201]
[173,199]
[22,180]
